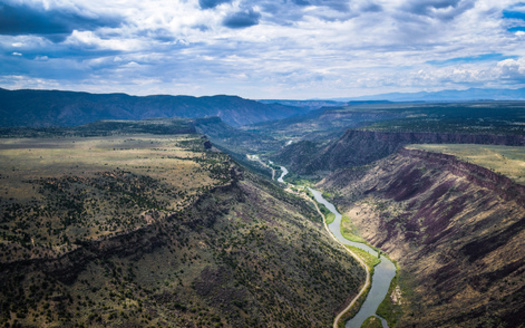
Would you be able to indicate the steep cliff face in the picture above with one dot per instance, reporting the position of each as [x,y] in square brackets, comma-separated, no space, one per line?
[363,147]
[457,230]
[245,254]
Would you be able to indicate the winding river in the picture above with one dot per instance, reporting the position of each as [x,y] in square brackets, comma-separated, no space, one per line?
[284,172]
[384,272]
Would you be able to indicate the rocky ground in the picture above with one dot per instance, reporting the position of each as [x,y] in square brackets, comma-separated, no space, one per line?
[456,229]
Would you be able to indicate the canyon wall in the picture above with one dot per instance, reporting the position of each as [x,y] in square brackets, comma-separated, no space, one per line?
[456,229]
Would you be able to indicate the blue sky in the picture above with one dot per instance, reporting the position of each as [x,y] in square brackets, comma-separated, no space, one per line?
[262,48]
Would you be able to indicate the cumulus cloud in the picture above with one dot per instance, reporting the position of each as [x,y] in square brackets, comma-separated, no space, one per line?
[20,19]
[207,4]
[293,48]
[441,9]
[242,19]
[512,69]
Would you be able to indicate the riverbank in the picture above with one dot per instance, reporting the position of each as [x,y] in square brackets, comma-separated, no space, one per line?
[371,295]
[383,274]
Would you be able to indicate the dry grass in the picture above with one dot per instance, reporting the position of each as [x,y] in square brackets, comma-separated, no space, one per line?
[88,188]
[161,157]
[506,160]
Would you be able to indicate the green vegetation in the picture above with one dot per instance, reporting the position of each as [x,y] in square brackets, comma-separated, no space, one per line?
[468,118]
[297,180]
[391,307]
[373,322]
[370,260]
[329,218]
[326,212]
[505,160]
[157,230]
[349,231]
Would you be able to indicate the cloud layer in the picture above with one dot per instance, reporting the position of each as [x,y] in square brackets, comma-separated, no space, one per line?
[262,48]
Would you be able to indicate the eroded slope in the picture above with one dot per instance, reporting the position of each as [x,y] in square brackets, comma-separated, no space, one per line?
[457,230]
[233,250]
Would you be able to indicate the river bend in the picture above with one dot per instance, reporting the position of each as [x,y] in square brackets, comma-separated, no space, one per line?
[384,272]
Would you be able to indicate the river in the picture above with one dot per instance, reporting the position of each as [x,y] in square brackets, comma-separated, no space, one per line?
[384,272]
[284,172]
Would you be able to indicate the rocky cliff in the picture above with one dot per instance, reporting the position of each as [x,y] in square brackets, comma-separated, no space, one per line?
[358,147]
[457,230]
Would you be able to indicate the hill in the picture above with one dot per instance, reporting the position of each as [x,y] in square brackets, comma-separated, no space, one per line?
[455,228]
[379,130]
[129,230]
[321,124]
[40,108]
[357,148]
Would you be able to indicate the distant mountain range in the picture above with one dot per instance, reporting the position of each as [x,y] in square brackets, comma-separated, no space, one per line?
[42,108]
[445,95]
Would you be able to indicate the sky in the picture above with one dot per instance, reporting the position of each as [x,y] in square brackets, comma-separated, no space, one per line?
[262,49]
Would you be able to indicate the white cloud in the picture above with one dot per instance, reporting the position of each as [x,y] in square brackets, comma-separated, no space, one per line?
[174,46]
[512,68]
[91,40]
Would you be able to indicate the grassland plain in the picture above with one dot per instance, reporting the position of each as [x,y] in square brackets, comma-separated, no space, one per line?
[507,160]
[143,230]
[57,192]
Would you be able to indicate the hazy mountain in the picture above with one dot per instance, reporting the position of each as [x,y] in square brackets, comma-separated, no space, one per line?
[308,104]
[446,95]
[65,108]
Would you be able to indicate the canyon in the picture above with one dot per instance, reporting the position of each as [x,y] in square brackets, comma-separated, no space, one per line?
[455,228]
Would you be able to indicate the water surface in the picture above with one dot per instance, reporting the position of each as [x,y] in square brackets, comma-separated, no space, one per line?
[284,172]
[384,272]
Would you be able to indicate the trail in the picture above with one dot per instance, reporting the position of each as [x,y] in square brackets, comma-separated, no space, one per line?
[363,264]
[367,282]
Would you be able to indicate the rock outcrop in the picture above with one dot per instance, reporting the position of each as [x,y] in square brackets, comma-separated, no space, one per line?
[358,147]
[457,230]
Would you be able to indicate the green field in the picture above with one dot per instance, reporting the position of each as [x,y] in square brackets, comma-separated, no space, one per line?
[370,260]
[349,231]
[506,160]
